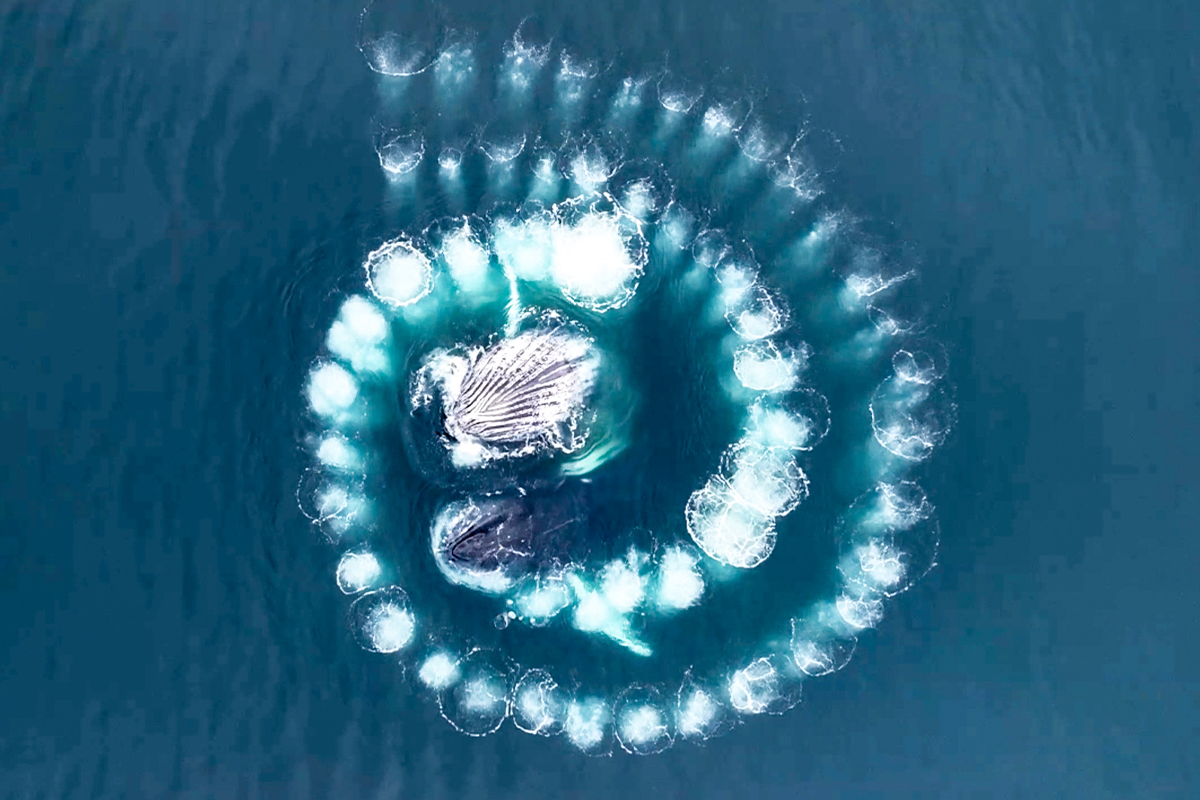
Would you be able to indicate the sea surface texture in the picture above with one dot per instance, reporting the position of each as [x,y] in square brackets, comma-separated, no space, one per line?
[581,400]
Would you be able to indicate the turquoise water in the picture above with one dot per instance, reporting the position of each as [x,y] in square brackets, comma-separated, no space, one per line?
[189,195]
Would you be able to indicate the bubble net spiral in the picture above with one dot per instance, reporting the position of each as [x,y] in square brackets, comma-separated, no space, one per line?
[604,205]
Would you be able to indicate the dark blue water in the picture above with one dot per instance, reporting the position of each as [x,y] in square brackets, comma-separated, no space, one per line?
[183,187]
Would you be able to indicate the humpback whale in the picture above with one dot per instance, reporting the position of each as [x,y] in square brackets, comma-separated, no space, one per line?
[489,543]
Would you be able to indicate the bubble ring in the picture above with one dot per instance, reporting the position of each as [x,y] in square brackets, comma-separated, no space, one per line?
[888,538]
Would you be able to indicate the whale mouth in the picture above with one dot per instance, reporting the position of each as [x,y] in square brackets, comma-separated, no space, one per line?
[490,543]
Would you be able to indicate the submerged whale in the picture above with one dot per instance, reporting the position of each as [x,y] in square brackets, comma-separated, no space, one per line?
[490,543]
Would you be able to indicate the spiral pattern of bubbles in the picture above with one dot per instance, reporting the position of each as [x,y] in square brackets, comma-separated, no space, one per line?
[617,438]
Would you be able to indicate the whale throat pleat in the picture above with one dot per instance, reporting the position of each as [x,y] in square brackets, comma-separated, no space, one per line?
[525,387]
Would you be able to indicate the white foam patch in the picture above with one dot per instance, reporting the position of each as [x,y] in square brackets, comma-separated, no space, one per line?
[595,614]
[539,705]
[592,614]
[680,584]
[698,710]
[467,261]
[439,671]
[484,694]
[400,154]
[859,609]
[642,728]
[761,367]
[868,284]
[358,335]
[331,390]
[720,121]
[450,159]
[590,170]
[337,453]
[587,722]
[389,627]
[766,478]
[759,688]
[821,657]
[524,248]
[728,529]
[357,572]
[911,419]
[542,602]
[755,314]
[622,583]
[591,263]
[398,273]
[881,563]
[778,427]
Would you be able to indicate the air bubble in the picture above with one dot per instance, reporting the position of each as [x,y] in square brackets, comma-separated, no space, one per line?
[382,620]
[642,725]
[478,703]
[398,273]
[358,571]
[539,705]
[728,529]
[588,723]
[764,686]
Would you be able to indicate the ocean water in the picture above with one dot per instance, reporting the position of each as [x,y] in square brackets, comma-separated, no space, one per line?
[189,193]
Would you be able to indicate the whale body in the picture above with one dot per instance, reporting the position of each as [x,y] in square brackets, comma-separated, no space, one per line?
[489,543]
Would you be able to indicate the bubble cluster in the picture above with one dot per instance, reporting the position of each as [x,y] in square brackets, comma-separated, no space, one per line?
[474,399]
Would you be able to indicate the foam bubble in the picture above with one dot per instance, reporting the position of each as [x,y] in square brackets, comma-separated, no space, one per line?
[911,419]
[591,263]
[439,670]
[358,336]
[523,61]
[860,609]
[641,723]
[398,273]
[798,422]
[588,720]
[889,539]
[503,150]
[728,529]
[761,367]
[590,169]
[478,703]
[696,712]
[450,159]
[677,94]
[680,584]
[467,261]
[721,120]
[763,687]
[454,69]
[358,571]
[382,620]
[400,153]
[524,248]
[331,390]
[766,478]
[820,645]
[754,313]
[699,712]
[336,453]
[622,583]
[542,600]
[539,705]
[760,143]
